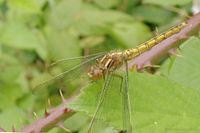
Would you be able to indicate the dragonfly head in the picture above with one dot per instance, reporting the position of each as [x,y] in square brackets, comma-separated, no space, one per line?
[95,72]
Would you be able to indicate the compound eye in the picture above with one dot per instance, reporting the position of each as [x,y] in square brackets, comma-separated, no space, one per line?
[95,73]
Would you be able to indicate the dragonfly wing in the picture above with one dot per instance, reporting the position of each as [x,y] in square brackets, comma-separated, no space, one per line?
[87,57]
[106,95]
[127,124]
[101,101]
[75,72]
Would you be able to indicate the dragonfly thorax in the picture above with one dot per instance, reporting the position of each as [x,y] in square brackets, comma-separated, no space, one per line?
[107,63]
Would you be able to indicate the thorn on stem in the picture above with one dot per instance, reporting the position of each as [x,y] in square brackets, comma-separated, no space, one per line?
[61,125]
[46,113]
[13,128]
[174,52]
[134,68]
[35,114]
[61,94]
[49,103]
[67,110]
[156,31]
[151,65]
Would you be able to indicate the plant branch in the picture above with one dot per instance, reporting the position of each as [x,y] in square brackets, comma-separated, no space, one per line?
[60,113]
[50,119]
[149,57]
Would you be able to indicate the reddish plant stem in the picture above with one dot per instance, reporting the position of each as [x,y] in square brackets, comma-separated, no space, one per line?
[146,59]
[164,47]
[50,119]
[2,130]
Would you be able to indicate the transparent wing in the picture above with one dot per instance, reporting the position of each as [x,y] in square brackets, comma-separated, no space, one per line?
[127,123]
[66,71]
[111,106]
[75,58]
[101,100]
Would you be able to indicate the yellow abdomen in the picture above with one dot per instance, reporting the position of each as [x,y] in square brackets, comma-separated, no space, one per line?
[133,52]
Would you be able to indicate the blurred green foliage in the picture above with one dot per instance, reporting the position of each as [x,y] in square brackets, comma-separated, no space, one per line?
[35,33]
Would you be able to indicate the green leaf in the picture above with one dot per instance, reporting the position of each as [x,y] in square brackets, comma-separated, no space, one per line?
[74,123]
[65,13]
[40,78]
[107,3]
[10,69]
[94,21]
[41,48]
[10,73]
[25,39]
[27,101]
[28,6]
[185,70]
[168,2]
[123,32]
[131,4]
[13,117]
[151,14]
[25,11]
[17,35]
[91,41]
[9,95]
[9,86]
[158,104]
[0,51]
[62,43]
[1,1]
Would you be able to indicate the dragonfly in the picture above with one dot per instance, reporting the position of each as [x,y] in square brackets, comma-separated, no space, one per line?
[105,66]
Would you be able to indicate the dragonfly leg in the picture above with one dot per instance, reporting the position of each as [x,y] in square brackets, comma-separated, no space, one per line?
[127,105]
[101,99]
[127,127]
